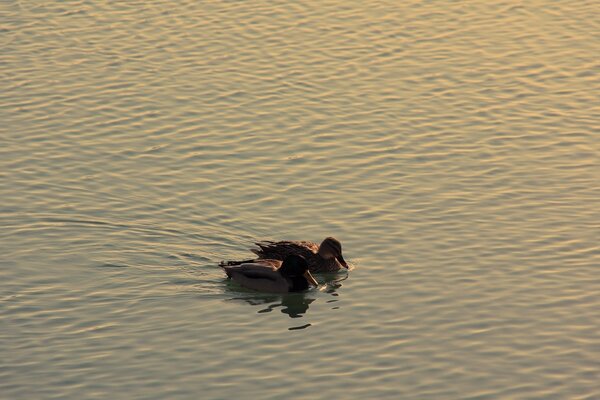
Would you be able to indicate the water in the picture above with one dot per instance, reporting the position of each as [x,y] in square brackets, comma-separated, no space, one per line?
[453,148]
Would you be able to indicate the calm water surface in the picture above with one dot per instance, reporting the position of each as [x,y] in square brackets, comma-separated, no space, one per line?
[452,147]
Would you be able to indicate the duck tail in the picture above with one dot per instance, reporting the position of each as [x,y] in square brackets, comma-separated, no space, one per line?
[232,263]
[263,248]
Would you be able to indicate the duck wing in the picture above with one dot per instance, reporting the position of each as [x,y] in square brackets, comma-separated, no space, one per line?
[261,276]
[266,267]
[275,264]
[280,250]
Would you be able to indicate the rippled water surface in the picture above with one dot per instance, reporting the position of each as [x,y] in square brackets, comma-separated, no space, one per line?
[452,147]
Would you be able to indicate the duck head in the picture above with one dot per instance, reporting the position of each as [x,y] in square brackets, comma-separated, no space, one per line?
[295,269]
[332,248]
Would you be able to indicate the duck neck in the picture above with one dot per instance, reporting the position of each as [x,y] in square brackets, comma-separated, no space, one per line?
[322,256]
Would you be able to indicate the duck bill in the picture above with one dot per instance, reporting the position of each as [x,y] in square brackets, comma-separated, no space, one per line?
[310,278]
[342,261]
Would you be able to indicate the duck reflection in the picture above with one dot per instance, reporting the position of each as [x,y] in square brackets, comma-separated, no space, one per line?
[333,282]
[295,305]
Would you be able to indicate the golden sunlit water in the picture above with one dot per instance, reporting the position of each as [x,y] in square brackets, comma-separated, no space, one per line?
[452,147]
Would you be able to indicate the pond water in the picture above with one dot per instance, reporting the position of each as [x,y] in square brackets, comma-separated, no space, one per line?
[452,147]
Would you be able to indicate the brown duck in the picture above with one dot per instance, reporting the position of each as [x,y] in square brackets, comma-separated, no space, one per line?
[326,257]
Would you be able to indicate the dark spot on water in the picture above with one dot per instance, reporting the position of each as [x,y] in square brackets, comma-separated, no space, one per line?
[269,308]
[295,328]
[111,265]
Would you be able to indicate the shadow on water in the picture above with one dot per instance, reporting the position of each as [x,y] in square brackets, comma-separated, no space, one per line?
[295,305]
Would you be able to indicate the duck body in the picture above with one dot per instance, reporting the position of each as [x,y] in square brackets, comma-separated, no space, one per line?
[273,276]
[326,257]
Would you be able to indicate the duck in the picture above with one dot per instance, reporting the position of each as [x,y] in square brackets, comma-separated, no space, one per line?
[326,257]
[273,276]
